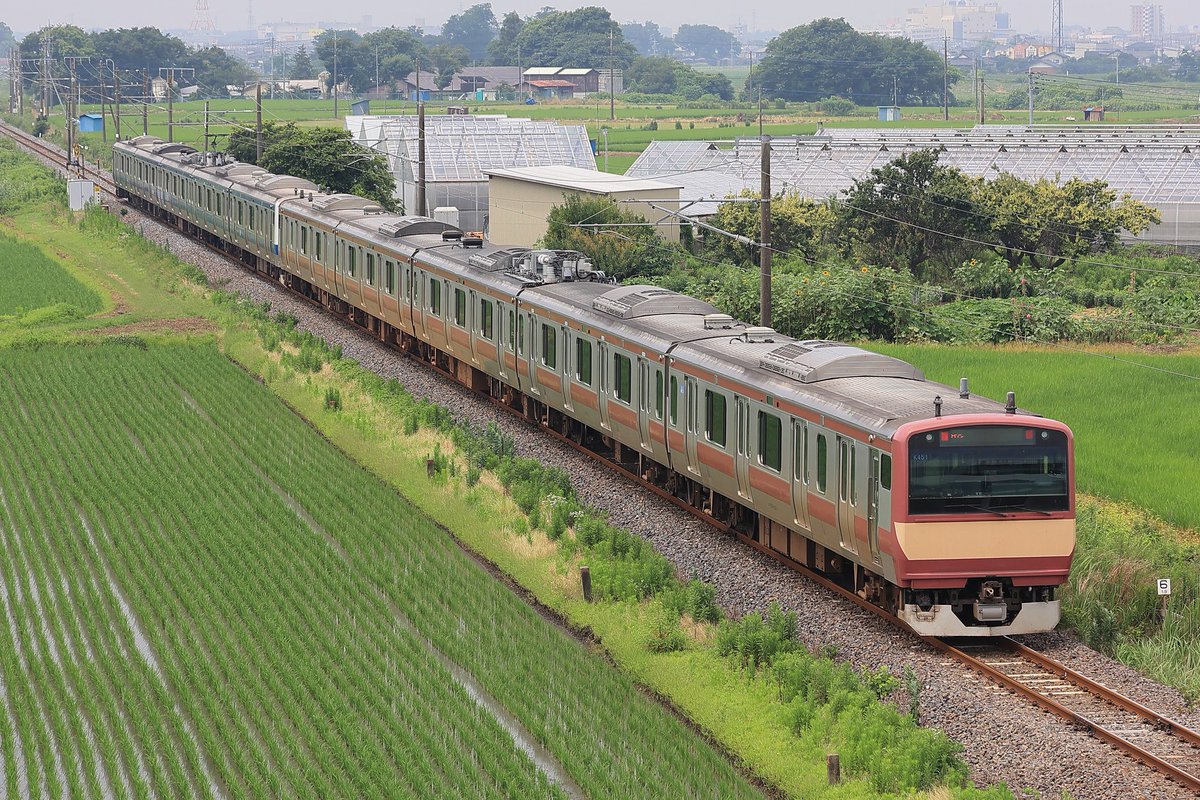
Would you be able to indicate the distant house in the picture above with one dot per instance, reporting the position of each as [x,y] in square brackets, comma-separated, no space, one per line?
[468,81]
[549,89]
[1053,63]
[585,79]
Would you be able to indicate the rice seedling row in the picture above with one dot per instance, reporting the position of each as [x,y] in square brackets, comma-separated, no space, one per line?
[191,614]
[29,280]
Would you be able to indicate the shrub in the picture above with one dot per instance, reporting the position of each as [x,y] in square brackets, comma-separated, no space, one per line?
[333,399]
[665,635]
[695,598]
[755,641]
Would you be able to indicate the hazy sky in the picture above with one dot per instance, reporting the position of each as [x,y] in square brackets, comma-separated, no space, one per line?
[232,14]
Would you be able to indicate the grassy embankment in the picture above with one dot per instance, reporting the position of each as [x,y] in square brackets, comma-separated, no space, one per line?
[1139,516]
[373,422]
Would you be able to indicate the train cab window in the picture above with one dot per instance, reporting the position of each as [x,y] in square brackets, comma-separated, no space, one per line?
[485,318]
[549,345]
[822,466]
[583,360]
[460,308]
[885,471]
[435,296]
[674,400]
[658,393]
[622,378]
[714,417]
[770,441]
[389,275]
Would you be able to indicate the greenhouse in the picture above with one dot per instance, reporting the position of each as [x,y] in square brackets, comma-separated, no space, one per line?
[459,147]
[1159,165]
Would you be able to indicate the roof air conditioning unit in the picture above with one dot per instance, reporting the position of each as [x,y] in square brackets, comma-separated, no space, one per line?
[717,322]
[760,335]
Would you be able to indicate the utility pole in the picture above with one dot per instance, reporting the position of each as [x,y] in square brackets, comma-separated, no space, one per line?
[612,86]
[1031,96]
[272,66]
[103,103]
[45,78]
[335,75]
[206,132]
[171,96]
[117,102]
[72,104]
[258,122]
[764,236]
[760,114]
[145,103]
[946,78]
[420,152]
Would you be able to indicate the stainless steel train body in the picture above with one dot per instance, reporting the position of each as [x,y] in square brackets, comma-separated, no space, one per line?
[957,513]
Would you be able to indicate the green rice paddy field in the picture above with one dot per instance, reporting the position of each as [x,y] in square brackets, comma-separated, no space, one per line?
[30,280]
[1135,422]
[190,612]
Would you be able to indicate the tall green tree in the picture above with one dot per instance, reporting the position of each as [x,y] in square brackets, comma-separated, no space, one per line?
[647,38]
[65,40]
[913,214]
[341,51]
[7,40]
[302,66]
[398,50]
[627,249]
[828,58]
[706,42]
[1049,223]
[216,69]
[446,60]
[326,156]
[579,38]
[472,29]
[143,49]
[502,50]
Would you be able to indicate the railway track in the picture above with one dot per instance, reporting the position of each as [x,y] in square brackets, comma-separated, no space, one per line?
[1141,733]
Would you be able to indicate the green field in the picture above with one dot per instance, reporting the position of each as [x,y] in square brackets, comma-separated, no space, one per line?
[30,281]
[1135,423]
[192,612]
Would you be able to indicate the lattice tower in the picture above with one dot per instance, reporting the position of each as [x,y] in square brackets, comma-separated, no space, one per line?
[202,20]
[1056,24]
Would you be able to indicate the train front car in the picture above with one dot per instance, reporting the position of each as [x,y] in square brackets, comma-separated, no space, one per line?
[984,521]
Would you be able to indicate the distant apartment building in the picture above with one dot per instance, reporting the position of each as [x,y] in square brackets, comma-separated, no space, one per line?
[1147,23]
[959,20]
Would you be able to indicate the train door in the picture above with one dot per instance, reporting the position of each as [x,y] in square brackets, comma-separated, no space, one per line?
[873,505]
[602,393]
[847,473]
[569,366]
[503,338]
[473,323]
[800,473]
[690,395]
[532,352]
[742,462]
[645,403]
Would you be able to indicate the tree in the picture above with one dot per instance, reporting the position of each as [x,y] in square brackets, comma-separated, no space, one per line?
[502,50]
[472,29]
[7,40]
[1187,66]
[326,156]
[302,66]
[143,49]
[216,69]
[630,249]
[647,38]
[691,84]
[577,38]
[351,59]
[909,212]
[1049,223]
[800,227]
[446,60]
[398,50]
[828,58]
[651,75]
[706,42]
[65,40]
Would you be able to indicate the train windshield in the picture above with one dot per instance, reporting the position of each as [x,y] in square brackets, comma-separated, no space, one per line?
[987,469]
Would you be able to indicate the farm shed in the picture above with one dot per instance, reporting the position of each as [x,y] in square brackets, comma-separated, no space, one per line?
[520,200]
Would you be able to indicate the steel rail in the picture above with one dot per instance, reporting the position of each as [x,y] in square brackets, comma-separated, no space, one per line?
[1098,690]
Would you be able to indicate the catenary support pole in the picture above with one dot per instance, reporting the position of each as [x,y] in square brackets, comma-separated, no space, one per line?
[258,139]
[764,246]
[421,158]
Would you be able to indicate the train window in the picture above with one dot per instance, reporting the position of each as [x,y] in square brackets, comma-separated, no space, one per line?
[371,268]
[822,467]
[885,471]
[674,400]
[658,393]
[512,329]
[304,240]
[218,204]
[435,296]
[317,243]
[241,212]
[460,308]
[521,335]
[389,274]
[583,360]
[485,318]
[853,474]
[714,417]
[352,260]
[800,453]
[623,377]
[549,345]
[770,441]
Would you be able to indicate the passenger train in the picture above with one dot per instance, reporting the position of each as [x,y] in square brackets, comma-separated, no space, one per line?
[953,512]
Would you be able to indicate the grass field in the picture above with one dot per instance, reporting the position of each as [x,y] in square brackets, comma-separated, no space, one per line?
[1135,423]
[29,281]
[191,612]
